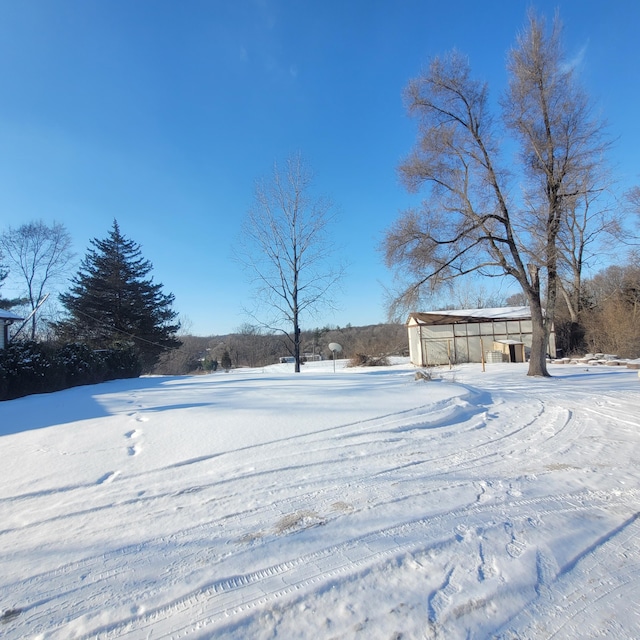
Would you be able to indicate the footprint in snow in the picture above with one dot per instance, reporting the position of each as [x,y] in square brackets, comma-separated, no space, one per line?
[137,416]
[440,599]
[516,546]
[488,567]
[134,449]
[462,532]
[110,476]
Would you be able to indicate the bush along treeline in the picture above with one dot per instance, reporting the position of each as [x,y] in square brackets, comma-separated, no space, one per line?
[36,367]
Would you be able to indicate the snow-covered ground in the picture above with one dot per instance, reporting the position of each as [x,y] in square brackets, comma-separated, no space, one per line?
[356,504]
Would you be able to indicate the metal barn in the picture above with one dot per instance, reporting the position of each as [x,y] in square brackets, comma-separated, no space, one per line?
[470,335]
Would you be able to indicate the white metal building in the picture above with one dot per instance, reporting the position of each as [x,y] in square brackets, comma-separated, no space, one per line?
[468,335]
[6,318]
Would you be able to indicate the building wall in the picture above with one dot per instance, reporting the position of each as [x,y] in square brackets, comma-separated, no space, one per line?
[415,344]
[431,345]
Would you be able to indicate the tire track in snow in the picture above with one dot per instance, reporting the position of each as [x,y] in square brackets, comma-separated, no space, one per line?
[345,558]
[542,619]
[444,464]
[238,591]
[469,457]
[235,594]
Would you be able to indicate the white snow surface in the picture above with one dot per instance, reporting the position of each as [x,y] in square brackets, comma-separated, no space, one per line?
[360,503]
[496,313]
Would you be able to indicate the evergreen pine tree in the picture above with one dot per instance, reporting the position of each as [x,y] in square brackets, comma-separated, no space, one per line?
[112,302]
[225,361]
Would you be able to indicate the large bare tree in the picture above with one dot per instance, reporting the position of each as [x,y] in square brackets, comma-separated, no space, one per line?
[484,212]
[41,255]
[287,248]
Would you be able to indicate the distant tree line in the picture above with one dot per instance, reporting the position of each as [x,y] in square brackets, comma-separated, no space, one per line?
[251,346]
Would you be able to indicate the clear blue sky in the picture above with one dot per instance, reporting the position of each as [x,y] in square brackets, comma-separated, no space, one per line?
[162,114]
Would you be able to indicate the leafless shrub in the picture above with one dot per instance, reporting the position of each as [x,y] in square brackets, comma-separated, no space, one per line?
[363,360]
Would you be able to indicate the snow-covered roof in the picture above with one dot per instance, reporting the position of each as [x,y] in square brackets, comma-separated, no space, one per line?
[8,315]
[454,316]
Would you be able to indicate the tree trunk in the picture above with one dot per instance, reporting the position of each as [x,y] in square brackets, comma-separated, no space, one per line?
[571,302]
[539,341]
[296,346]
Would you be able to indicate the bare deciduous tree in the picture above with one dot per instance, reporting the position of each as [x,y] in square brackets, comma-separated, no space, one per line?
[251,346]
[473,218]
[612,319]
[589,227]
[41,254]
[185,359]
[286,247]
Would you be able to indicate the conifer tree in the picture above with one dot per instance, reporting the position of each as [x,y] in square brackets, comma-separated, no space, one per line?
[112,301]
[225,362]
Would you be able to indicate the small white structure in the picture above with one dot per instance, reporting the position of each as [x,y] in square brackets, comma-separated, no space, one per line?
[501,334]
[6,318]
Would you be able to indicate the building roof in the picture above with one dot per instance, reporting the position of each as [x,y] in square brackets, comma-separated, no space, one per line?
[9,315]
[459,316]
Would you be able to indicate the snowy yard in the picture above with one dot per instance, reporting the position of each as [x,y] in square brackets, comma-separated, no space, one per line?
[356,504]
